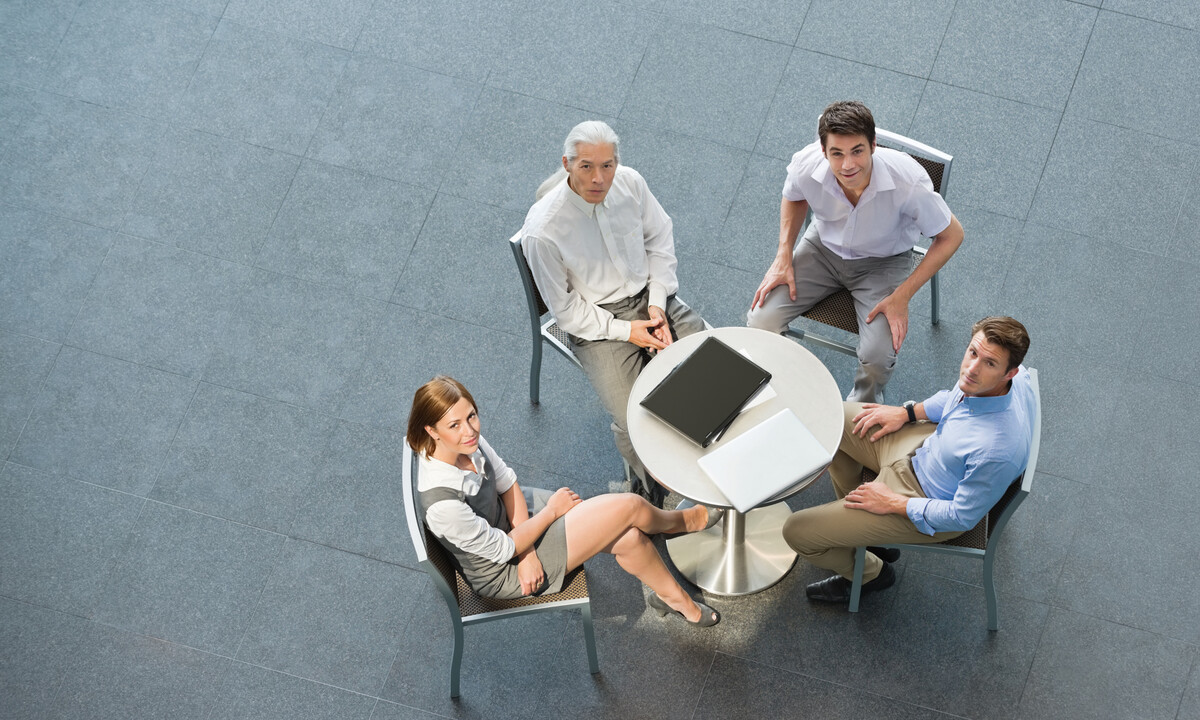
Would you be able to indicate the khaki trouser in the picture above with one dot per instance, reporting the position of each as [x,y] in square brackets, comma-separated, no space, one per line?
[826,535]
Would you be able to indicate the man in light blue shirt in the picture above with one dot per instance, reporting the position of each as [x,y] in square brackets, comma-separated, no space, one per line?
[942,464]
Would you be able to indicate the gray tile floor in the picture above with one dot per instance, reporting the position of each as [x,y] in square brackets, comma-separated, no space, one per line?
[236,234]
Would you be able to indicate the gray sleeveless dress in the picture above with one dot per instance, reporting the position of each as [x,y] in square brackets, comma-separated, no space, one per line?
[499,580]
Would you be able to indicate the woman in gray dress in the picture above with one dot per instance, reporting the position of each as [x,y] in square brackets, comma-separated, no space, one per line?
[472,502]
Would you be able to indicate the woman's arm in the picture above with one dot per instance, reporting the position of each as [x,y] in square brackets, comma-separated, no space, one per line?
[529,529]
[514,505]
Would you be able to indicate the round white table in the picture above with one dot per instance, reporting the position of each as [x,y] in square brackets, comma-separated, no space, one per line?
[745,553]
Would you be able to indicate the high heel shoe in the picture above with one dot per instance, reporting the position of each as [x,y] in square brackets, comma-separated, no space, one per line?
[708,616]
[714,514]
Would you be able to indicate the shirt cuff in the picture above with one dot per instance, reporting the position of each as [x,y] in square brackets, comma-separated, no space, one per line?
[509,551]
[915,509]
[620,330]
[658,296]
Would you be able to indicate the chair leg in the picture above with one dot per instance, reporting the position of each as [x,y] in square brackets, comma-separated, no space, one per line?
[989,589]
[935,298]
[860,560]
[456,663]
[589,635]
[535,371]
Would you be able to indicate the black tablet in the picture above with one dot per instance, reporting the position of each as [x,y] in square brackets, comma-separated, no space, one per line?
[706,391]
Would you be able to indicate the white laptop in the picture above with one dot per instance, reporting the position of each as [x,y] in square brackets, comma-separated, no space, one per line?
[765,460]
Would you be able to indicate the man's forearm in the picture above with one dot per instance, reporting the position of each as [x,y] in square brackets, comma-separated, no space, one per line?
[943,247]
[791,219]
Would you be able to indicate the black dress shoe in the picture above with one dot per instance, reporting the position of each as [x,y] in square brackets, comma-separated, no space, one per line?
[836,589]
[888,555]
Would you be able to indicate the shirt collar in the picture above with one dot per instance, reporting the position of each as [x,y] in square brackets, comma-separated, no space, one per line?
[583,206]
[441,466]
[986,405]
[881,178]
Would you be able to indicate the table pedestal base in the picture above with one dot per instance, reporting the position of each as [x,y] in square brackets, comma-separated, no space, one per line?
[746,553]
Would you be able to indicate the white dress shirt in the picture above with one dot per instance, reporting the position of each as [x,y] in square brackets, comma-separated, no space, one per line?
[584,255]
[455,520]
[898,206]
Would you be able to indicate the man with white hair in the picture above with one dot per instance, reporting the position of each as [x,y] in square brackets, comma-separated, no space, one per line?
[602,254]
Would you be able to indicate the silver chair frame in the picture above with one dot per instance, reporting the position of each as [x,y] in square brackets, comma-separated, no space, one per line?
[547,332]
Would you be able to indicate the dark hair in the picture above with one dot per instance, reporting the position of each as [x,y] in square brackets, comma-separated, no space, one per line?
[432,401]
[846,117]
[1006,332]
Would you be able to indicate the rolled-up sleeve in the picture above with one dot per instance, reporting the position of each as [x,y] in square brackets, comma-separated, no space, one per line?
[929,210]
[572,313]
[455,521]
[981,489]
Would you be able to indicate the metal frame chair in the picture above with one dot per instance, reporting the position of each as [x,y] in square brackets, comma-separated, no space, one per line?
[837,309]
[981,541]
[468,608]
[547,332]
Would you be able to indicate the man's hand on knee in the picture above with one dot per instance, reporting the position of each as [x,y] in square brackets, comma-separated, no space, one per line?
[894,307]
[888,418]
[781,272]
[876,497]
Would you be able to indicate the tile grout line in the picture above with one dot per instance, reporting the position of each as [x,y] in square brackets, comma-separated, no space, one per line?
[1062,117]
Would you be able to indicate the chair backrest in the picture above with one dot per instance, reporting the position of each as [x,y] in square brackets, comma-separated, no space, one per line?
[837,309]
[534,297]
[430,554]
[1019,490]
[935,162]
[988,529]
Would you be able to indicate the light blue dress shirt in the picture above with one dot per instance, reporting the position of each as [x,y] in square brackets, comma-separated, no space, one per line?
[980,446]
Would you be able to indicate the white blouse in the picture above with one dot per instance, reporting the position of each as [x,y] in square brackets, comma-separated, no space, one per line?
[454,520]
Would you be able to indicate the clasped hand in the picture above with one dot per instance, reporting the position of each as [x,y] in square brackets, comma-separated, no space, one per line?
[654,333]
[530,573]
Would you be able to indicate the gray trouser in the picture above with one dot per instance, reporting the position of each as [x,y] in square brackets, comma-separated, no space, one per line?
[819,273]
[613,365]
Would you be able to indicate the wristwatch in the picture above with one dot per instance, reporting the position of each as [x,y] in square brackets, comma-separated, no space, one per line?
[911,406]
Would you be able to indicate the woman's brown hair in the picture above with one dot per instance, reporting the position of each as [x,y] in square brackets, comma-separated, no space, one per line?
[432,401]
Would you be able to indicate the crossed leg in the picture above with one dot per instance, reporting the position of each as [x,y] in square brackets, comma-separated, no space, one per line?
[621,525]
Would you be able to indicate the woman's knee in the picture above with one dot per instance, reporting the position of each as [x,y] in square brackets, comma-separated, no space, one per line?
[632,508]
[631,542]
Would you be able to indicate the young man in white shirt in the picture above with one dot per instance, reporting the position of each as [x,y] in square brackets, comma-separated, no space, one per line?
[602,253]
[869,207]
